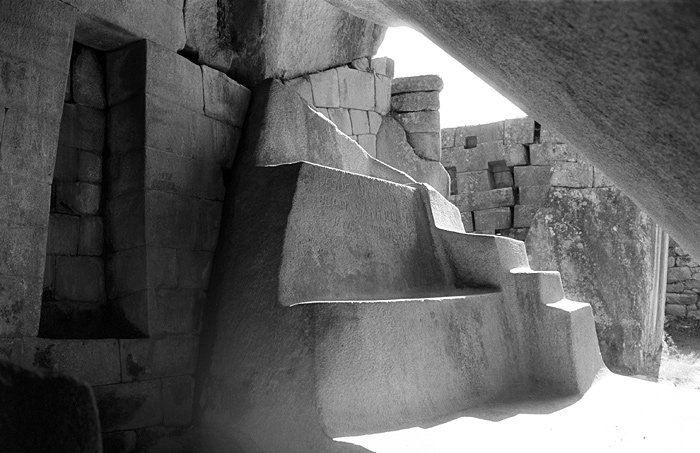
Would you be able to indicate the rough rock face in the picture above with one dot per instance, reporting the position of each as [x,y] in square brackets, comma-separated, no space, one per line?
[252,40]
[619,79]
[612,256]
[44,412]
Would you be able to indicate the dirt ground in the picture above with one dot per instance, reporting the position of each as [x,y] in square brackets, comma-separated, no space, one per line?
[680,362]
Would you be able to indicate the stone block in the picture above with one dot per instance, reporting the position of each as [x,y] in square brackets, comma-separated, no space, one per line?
[473,181]
[80,278]
[548,153]
[677,287]
[66,168]
[45,411]
[484,133]
[447,137]
[224,99]
[495,198]
[129,405]
[194,268]
[686,260]
[417,83]
[87,78]
[91,236]
[180,131]
[682,299]
[572,174]
[532,175]
[28,145]
[502,179]
[515,155]
[82,127]
[467,221]
[95,361]
[600,180]
[22,251]
[419,121]
[671,261]
[146,67]
[176,311]
[383,66]
[360,122]
[523,215]
[78,198]
[492,219]
[167,172]
[32,88]
[325,89]
[356,89]
[416,101]
[341,118]
[130,20]
[532,195]
[43,36]
[519,131]
[498,166]
[170,220]
[24,200]
[676,310]
[425,144]
[678,274]
[302,86]
[369,143]
[375,122]
[129,271]
[382,88]
[126,220]
[148,358]
[178,400]
[89,167]
[463,159]
[64,233]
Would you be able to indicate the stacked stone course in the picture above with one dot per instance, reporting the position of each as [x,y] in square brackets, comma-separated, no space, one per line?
[513,177]
[354,97]
[501,173]
[683,283]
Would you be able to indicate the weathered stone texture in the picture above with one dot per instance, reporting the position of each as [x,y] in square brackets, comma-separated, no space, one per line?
[254,40]
[325,89]
[416,83]
[585,234]
[416,101]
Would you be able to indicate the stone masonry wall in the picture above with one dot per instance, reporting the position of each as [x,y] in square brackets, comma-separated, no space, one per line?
[354,97]
[144,137]
[683,283]
[396,121]
[514,178]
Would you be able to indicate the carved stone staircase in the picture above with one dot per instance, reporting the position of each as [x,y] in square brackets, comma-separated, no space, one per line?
[343,304]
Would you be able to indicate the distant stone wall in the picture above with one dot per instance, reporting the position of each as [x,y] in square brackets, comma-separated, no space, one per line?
[683,283]
[516,179]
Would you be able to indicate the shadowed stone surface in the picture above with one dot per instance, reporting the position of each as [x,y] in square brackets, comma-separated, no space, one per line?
[45,412]
[252,40]
[612,256]
[321,272]
[618,79]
